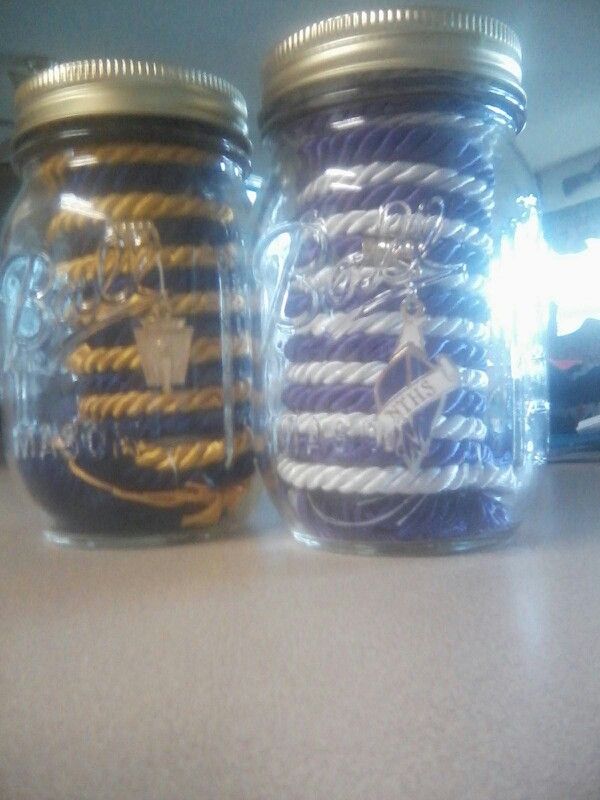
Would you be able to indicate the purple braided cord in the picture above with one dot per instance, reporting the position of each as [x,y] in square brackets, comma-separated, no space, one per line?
[347,398]
[467,149]
[367,347]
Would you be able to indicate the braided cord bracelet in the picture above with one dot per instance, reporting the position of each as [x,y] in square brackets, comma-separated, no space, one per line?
[332,457]
[53,170]
[106,186]
[136,206]
[85,268]
[86,360]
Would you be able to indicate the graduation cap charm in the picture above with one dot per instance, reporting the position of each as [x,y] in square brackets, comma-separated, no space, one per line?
[164,348]
[412,389]
[131,249]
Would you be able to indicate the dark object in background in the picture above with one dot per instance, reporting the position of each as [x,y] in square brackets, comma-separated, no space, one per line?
[574,359]
[567,230]
[574,389]
[577,181]
[9,186]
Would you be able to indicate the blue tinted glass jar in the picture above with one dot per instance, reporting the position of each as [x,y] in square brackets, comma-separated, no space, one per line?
[126,303]
[403,369]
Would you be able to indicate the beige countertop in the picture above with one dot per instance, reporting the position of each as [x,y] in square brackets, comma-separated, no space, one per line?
[256,669]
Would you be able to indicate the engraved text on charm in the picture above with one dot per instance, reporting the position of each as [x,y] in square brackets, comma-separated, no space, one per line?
[412,391]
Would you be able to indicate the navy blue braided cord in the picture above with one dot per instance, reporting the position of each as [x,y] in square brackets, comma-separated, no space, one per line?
[70,500]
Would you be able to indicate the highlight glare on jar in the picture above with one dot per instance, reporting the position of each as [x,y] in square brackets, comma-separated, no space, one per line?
[403,368]
[126,303]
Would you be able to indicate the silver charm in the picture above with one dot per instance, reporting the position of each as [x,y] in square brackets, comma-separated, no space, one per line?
[412,389]
[163,341]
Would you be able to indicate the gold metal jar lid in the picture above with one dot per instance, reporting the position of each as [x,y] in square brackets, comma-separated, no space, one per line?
[102,87]
[369,42]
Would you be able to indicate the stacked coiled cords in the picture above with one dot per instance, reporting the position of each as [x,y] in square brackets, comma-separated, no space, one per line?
[331,457]
[144,459]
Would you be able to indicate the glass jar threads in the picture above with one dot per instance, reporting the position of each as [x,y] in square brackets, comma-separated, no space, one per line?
[126,302]
[403,365]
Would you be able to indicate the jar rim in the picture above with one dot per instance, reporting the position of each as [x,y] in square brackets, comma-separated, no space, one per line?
[360,48]
[96,88]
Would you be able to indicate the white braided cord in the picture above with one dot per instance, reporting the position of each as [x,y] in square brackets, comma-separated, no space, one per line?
[394,480]
[361,176]
[391,322]
[326,373]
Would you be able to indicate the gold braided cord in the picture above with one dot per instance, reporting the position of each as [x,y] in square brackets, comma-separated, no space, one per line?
[161,498]
[53,169]
[179,305]
[224,502]
[86,360]
[85,268]
[136,206]
[198,504]
[183,455]
[208,516]
[189,495]
[131,404]
[203,302]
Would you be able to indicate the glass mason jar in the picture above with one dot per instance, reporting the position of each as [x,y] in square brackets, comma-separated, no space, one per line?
[126,303]
[403,368]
